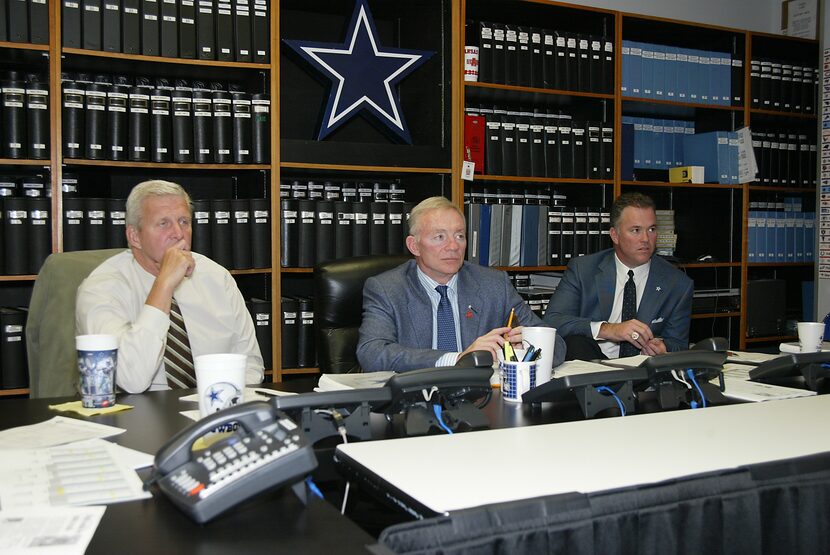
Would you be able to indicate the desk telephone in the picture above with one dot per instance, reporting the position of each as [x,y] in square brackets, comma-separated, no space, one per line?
[267,450]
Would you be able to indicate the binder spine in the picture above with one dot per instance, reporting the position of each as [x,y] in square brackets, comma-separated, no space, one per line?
[289,331]
[38,22]
[220,232]
[242,30]
[96,121]
[224,31]
[222,128]
[260,233]
[306,353]
[261,128]
[182,127]
[111,33]
[117,145]
[161,139]
[71,23]
[187,29]
[343,224]
[37,120]
[18,18]
[261,314]
[324,232]
[14,119]
[242,136]
[13,348]
[202,127]
[39,232]
[116,223]
[169,44]
[260,27]
[150,27]
[14,232]
[201,238]
[241,233]
[139,132]
[289,233]
[205,37]
[95,232]
[131,27]
[73,223]
[306,232]
[91,25]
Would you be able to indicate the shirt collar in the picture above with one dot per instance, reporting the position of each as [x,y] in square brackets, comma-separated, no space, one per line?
[640,272]
[430,284]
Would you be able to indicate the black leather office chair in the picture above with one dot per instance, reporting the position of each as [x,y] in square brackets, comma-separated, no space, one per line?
[338,307]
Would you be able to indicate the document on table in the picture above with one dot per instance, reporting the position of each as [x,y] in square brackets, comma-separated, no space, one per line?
[84,473]
[737,384]
[55,431]
[577,367]
[48,530]
[335,382]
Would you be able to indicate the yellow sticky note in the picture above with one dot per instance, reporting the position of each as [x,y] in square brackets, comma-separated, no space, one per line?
[77,406]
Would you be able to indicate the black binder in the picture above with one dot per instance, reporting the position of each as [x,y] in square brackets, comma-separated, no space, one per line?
[150,27]
[289,233]
[117,223]
[260,232]
[306,237]
[73,223]
[593,161]
[551,147]
[224,31]
[131,26]
[571,62]
[15,212]
[220,232]
[289,331]
[554,257]
[242,30]
[71,24]
[562,60]
[594,231]
[139,126]
[260,310]
[524,64]
[492,149]
[38,22]
[18,19]
[377,228]
[537,147]
[95,231]
[4,29]
[181,102]
[261,128]
[187,29]
[14,119]
[537,58]
[306,353]
[499,54]
[205,35]
[580,147]
[566,148]
[37,120]
[583,64]
[361,232]
[567,235]
[396,228]
[580,231]
[34,186]
[242,133]
[324,231]
[508,145]
[202,127]
[241,231]
[116,144]
[91,25]
[548,59]
[260,26]
[511,55]
[222,128]
[111,32]
[161,135]
[13,348]
[608,66]
[737,71]
[485,52]
[523,146]
[169,29]
[38,232]
[95,134]
[343,225]
[596,62]
[201,238]
[607,135]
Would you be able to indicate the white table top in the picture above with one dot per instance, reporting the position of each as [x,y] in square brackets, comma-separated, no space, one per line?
[447,473]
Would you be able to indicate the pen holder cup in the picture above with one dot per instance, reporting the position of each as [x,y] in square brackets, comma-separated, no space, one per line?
[516,379]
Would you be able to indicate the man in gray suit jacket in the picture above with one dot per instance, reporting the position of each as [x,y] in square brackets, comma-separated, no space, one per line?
[587,306]
[402,324]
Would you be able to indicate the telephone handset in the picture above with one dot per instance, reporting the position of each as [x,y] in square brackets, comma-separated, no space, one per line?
[267,450]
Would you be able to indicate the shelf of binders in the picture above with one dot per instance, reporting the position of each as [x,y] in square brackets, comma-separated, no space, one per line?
[681,185]
[24,46]
[161,59]
[160,165]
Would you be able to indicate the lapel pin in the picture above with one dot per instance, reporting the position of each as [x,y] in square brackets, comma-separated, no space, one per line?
[659,288]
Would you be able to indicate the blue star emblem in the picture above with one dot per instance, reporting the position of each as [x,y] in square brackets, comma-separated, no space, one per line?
[213,395]
[364,75]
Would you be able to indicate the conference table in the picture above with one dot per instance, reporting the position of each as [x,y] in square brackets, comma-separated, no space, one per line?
[273,522]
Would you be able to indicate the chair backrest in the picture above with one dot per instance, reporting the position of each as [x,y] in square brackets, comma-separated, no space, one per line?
[50,327]
[338,307]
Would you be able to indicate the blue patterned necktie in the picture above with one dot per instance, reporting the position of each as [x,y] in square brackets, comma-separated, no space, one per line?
[446,322]
[629,312]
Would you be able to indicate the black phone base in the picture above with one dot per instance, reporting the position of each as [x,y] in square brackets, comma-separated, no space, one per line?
[814,375]
[673,395]
[318,425]
[419,420]
[592,402]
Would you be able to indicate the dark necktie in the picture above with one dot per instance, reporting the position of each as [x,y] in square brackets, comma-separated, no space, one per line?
[178,359]
[629,312]
[446,322]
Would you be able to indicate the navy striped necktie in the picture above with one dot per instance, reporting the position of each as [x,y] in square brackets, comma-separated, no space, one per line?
[178,359]
[629,312]
[446,322]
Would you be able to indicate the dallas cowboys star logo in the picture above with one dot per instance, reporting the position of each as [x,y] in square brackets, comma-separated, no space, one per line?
[363,74]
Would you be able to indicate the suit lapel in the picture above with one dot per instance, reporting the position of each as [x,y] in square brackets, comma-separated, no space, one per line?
[470,301]
[605,282]
[420,309]
[653,294]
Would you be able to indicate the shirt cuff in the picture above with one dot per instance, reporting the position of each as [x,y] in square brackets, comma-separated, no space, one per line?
[447,359]
[153,320]
[595,329]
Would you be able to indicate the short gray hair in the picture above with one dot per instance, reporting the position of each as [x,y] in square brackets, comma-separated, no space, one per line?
[428,205]
[152,188]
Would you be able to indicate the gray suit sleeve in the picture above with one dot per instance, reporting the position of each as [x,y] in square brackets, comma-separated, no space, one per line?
[378,346]
[676,329]
[564,307]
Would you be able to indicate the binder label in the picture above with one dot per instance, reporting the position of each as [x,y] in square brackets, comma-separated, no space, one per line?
[90,8]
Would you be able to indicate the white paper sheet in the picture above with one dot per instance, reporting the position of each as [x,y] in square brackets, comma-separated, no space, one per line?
[55,431]
[48,530]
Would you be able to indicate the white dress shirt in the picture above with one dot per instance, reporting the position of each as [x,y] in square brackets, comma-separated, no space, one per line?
[112,301]
[611,349]
[429,284]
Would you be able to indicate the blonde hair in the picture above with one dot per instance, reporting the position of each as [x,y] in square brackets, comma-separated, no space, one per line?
[152,188]
[428,205]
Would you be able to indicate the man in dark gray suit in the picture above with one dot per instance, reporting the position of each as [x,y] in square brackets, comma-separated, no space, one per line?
[432,310]
[587,307]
